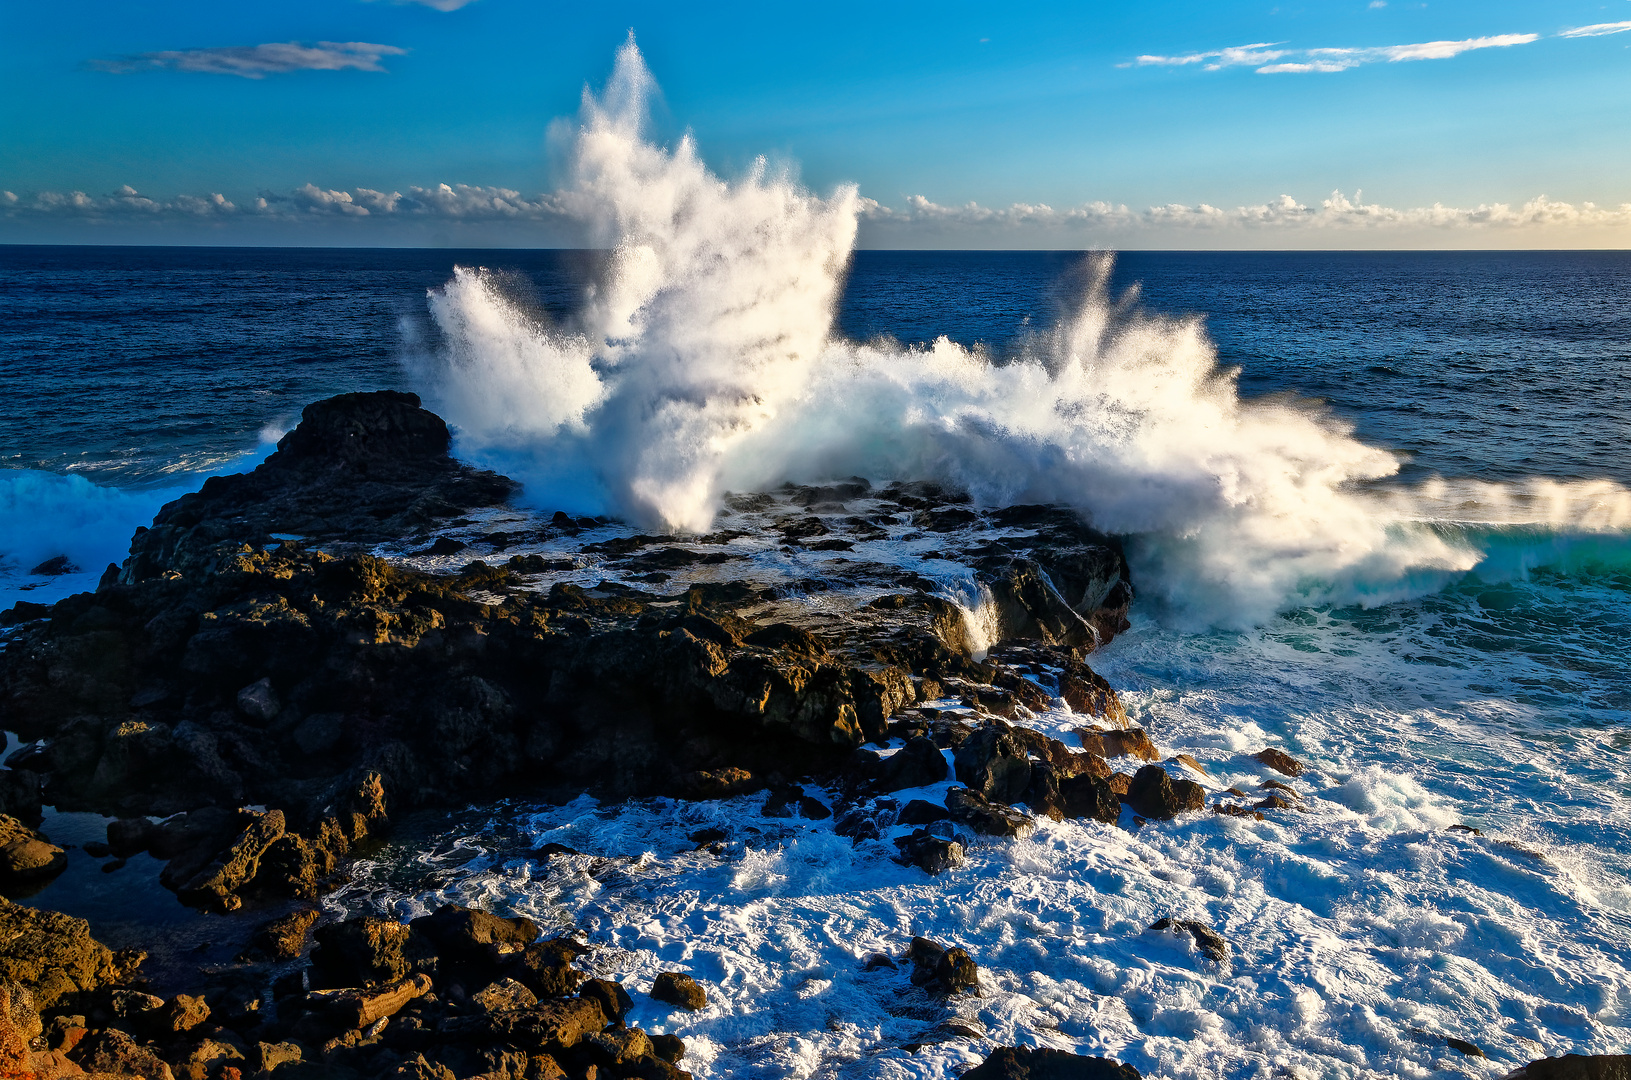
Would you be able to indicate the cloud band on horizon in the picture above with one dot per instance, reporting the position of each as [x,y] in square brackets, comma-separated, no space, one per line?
[480,203]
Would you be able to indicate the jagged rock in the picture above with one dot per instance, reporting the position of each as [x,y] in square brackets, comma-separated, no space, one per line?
[917,764]
[358,1008]
[1089,797]
[1576,1067]
[504,994]
[548,1027]
[213,886]
[361,952]
[113,1051]
[943,970]
[930,853]
[1279,761]
[54,955]
[678,988]
[25,855]
[1133,742]
[20,1024]
[968,807]
[1154,793]
[20,796]
[671,1048]
[179,1015]
[1210,943]
[994,762]
[614,1001]
[922,812]
[1087,692]
[545,967]
[468,936]
[1042,1063]
[208,1057]
[617,1047]
[285,938]
[269,1057]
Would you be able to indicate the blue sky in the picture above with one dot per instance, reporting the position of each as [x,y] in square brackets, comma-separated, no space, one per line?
[1055,125]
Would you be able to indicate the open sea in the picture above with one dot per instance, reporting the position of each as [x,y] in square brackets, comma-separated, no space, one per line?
[1378,514]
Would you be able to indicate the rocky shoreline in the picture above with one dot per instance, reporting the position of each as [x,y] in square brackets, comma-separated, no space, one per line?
[270,677]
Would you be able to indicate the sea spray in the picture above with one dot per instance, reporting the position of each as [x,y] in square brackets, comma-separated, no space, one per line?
[703,359]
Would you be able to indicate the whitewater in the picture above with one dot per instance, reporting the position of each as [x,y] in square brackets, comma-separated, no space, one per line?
[1440,651]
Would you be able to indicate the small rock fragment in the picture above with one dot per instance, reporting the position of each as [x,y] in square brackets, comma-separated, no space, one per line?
[1210,943]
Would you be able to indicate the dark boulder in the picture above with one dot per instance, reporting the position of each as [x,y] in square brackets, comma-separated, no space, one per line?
[614,1001]
[930,853]
[1154,793]
[1577,1067]
[1279,761]
[1089,797]
[362,952]
[922,812]
[1042,1063]
[678,988]
[1131,742]
[968,807]
[994,763]
[917,764]
[940,969]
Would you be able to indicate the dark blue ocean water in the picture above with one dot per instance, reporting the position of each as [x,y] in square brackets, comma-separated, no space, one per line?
[126,365]
[1498,696]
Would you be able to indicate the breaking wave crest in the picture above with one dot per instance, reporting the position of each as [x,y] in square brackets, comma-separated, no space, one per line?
[704,359]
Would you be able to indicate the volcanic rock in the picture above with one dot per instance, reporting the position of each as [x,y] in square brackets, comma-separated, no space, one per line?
[677,988]
[285,938]
[614,1001]
[1133,742]
[941,969]
[26,855]
[1577,1067]
[969,807]
[994,763]
[918,764]
[1042,1063]
[1154,793]
[1211,943]
[55,957]
[930,853]
[1279,761]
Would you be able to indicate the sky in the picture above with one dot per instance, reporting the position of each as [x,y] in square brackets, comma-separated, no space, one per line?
[1158,124]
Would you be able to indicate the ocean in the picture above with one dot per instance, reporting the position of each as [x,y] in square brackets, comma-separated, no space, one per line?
[1377,511]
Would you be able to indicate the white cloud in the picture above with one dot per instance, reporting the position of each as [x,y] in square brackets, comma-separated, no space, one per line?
[1338,212]
[258,61]
[1232,56]
[1376,4]
[1596,30]
[1269,60]
[465,202]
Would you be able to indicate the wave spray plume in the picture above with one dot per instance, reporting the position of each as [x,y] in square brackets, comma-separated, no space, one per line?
[704,359]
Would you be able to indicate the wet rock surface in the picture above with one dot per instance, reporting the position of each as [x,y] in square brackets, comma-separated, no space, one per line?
[253,710]
[225,665]
[1040,1063]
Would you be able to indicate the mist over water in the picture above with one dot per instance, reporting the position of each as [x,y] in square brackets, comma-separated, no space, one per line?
[704,359]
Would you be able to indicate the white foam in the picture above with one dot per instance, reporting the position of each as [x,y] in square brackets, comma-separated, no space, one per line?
[704,359]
